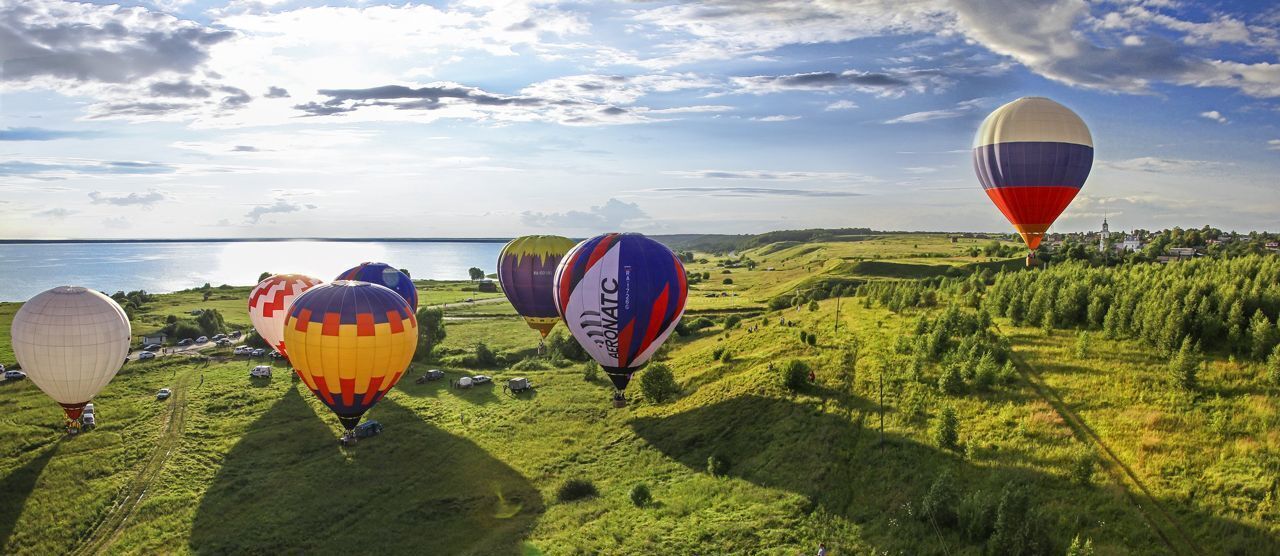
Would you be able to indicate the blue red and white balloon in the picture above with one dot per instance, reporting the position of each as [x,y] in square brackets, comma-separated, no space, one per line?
[385,275]
[621,295]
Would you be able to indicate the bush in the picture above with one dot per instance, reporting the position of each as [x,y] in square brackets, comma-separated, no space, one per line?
[727,281]
[794,374]
[590,371]
[939,503]
[1082,345]
[640,495]
[951,380]
[253,340]
[1184,366]
[561,343]
[531,364]
[717,353]
[812,339]
[189,329]
[977,515]
[1016,530]
[946,432]
[732,321]
[1079,548]
[1273,366]
[700,323]
[576,489]
[430,331]
[813,306]
[658,384]
[1082,468]
[485,357]
[717,465]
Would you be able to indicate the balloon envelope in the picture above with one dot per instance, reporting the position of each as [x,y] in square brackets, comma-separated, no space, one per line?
[350,342]
[384,274]
[527,272]
[269,304]
[1032,156]
[70,341]
[621,295]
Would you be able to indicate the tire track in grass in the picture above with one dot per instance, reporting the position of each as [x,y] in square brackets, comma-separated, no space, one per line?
[109,529]
[1148,507]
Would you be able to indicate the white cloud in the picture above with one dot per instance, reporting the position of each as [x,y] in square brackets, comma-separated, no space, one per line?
[1273,145]
[768,175]
[775,118]
[960,109]
[841,105]
[1160,165]
[1215,116]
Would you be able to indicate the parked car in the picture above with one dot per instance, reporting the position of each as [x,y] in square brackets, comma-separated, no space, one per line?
[259,352]
[482,379]
[14,375]
[88,421]
[164,394]
[151,347]
[223,343]
[261,371]
[186,342]
[217,337]
[88,409]
[235,334]
[144,355]
[241,350]
[274,354]
[202,339]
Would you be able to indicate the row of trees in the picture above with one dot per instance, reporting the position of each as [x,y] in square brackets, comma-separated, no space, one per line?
[1227,304]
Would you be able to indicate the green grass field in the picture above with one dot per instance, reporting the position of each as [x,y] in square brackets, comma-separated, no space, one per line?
[231,465]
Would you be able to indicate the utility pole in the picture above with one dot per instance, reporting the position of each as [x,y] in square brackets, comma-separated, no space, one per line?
[882,406]
[837,326]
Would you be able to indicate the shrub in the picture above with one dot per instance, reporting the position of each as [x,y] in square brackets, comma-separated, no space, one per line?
[977,515]
[1016,529]
[1273,366]
[485,357]
[939,503]
[946,432]
[812,339]
[253,340]
[1184,366]
[727,281]
[700,323]
[813,306]
[951,381]
[732,321]
[1082,345]
[717,465]
[590,371]
[431,331]
[726,357]
[1082,468]
[658,384]
[189,329]
[566,346]
[640,495]
[717,353]
[682,329]
[794,374]
[576,489]
[531,364]
[1079,548]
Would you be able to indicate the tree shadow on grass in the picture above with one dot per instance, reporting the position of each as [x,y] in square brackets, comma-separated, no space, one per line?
[287,487]
[16,487]
[840,467]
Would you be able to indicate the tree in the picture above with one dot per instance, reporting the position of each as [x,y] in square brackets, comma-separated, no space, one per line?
[658,383]
[1273,366]
[567,347]
[210,322]
[430,331]
[946,431]
[1079,548]
[813,306]
[951,380]
[939,503]
[264,276]
[640,495]
[485,357]
[1184,366]
[253,340]
[475,273]
[1016,531]
[1263,334]
[794,374]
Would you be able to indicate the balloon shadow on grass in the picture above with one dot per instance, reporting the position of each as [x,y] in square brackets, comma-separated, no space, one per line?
[16,487]
[841,467]
[287,487]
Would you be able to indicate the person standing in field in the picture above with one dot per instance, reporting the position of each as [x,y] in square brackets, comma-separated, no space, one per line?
[822,549]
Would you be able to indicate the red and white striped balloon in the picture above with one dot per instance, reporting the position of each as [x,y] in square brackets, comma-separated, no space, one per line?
[269,304]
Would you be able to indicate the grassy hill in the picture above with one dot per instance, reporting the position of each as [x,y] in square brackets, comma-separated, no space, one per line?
[1067,444]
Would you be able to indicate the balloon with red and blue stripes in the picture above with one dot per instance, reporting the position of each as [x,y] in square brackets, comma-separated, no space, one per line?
[386,275]
[621,296]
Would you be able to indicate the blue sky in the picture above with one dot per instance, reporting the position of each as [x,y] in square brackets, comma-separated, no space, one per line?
[248,118]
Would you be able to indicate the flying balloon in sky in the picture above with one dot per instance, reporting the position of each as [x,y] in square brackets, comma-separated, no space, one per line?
[71,341]
[527,271]
[1032,156]
[350,342]
[621,295]
[269,305]
[384,274]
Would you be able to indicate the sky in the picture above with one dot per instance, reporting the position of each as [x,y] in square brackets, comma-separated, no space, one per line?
[495,118]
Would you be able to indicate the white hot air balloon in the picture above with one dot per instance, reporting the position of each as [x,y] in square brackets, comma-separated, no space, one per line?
[269,304]
[71,341]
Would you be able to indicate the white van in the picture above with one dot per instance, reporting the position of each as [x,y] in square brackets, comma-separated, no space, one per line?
[261,371]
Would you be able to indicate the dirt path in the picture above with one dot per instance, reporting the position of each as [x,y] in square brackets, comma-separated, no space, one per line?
[109,529]
[1164,525]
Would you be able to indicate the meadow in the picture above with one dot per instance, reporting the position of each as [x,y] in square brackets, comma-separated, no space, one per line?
[1068,440]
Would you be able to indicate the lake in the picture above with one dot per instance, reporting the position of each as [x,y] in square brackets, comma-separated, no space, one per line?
[28,269]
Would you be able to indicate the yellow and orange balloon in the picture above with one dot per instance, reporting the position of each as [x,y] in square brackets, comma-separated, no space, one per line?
[350,342]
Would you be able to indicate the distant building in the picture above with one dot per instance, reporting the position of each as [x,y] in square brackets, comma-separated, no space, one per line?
[1273,245]
[1184,252]
[157,338]
[1130,243]
[486,285]
[1106,232]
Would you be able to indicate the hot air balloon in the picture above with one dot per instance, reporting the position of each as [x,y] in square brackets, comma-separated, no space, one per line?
[384,274]
[621,295]
[350,342]
[527,271]
[71,342]
[1032,156]
[269,305]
